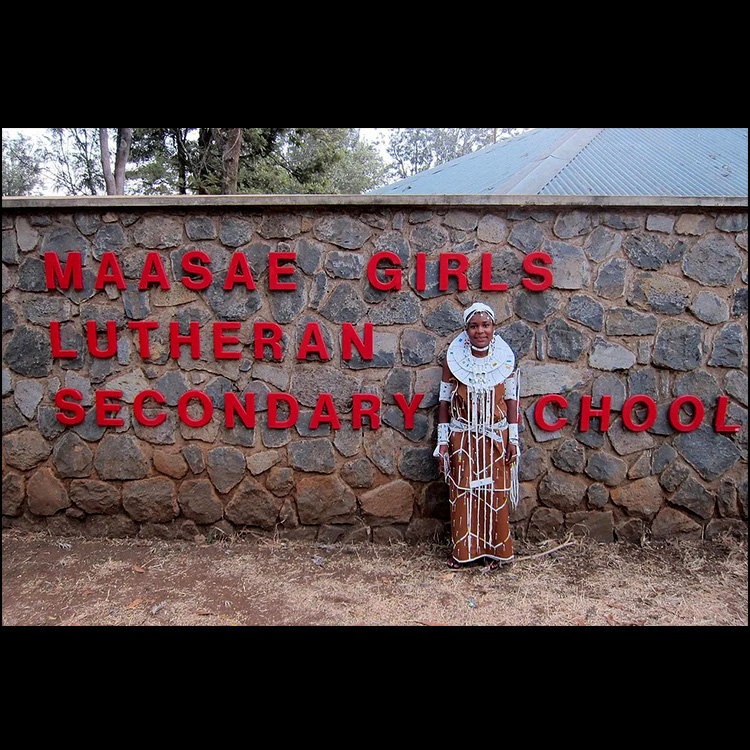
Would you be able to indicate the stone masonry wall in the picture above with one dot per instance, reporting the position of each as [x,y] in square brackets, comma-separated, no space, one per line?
[646,299]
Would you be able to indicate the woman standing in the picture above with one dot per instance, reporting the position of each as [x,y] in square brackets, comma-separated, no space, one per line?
[478,444]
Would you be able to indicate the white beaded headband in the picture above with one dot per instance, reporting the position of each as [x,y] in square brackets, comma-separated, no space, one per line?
[478,307]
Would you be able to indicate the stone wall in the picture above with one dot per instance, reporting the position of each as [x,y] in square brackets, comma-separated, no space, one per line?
[647,299]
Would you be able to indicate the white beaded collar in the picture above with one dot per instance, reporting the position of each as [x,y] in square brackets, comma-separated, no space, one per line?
[481,373]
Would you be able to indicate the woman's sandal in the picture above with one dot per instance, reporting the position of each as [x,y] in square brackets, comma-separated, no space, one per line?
[453,564]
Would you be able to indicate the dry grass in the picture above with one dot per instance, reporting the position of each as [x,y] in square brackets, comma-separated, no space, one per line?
[243,581]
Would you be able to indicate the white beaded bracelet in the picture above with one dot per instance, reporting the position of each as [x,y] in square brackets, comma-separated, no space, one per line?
[443,432]
[513,434]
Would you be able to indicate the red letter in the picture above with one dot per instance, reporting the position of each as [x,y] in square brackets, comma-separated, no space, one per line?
[197,269]
[273,401]
[545,273]
[102,407]
[93,341]
[721,416]
[587,412]
[239,272]
[275,270]
[674,413]
[325,411]
[78,413]
[232,404]
[110,273]
[138,408]
[552,398]
[143,327]
[312,330]
[421,272]
[153,272]
[446,272]
[487,285]
[371,411]
[393,273]
[349,335]
[273,340]
[57,350]
[408,409]
[220,340]
[53,271]
[182,408]
[627,413]
[193,338]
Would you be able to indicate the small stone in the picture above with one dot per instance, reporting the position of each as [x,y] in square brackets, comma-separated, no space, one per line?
[610,281]
[119,457]
[151,500]
[95,497]
[607,469]
[25,450]
[226,467]
[678,346]
[587,311]
[709,453]
[315,455]
[729,347]
[609,356]
[45,494]
[712,261]
[709,308]
[72,457]
[199,502]
[562,491]
[388,504]
[642,498]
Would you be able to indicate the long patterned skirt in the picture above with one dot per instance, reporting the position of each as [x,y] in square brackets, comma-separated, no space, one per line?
[479,488]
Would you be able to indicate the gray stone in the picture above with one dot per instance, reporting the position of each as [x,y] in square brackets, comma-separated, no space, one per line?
[445,319]
[709,453]
[626,442]
[309,254]
[562,491]
[390,503]
[199,502]
[253,505]
[418,464]
[662,458]
[226,467]
[536,307]
[569,266]
[45,494]
[660,223]
[172,464]
[10,248]
[194,457]
[602,244]
[325,499]
[587,311]
[348,441]
[519,338]
[673,476]
[72,457]
[624,321]
[678,346]
[642,466]
[27,395]
[394,417]
[200,228]
[65,240]
[739,302]
[607,469]
[541,379]
[709,308]
[278,225]
[119,457]
[526,236]
[641,499]
[566,343]
[569,456]
[95,497]
[598,526]
[344,265]
[238,303]
[280,480]
[9,318]
[698,383]
[646,251]
[597,495]
[712,261]
[397,307]
[610,281]
[732,222]
[161,434]
[729,347]
[261,462]
[532,464]
[735,383]
[342,231]
[359,473]
[29,352]
[25,450]
[42,311]
[344,305]
[312,455]
[287,305]
[417,348]
[151,500]
[692,495]
[608,385]
[309,382]
[110,238]
[427,238]
[492,229]
[609,356]
[157,232]
[660,293]
[671,523]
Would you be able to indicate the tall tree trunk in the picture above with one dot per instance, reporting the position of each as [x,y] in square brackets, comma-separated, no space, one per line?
[230,143]
[115,182]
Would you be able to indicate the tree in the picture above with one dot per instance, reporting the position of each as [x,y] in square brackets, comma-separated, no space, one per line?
[22,166]
[415,150]
[115,181]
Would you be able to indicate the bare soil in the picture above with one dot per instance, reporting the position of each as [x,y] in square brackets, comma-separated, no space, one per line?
[259,582]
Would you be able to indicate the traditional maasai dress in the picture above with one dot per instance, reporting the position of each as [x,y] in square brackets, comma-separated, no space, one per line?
[482,485]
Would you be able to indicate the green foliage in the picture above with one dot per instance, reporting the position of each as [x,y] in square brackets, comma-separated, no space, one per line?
[22,166]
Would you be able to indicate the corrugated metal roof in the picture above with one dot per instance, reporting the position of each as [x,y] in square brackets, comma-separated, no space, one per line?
[689,162]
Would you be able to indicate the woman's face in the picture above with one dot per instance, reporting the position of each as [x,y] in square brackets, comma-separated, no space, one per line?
[480,329]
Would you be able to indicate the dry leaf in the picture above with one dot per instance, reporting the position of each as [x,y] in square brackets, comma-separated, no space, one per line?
[134,603]
[138,569]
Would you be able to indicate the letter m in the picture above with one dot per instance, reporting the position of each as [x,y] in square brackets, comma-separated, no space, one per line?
[55,273]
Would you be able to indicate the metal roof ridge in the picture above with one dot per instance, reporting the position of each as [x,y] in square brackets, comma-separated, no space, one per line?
[532,179]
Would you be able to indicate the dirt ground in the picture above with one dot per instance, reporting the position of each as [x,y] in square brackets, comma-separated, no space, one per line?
[259,582]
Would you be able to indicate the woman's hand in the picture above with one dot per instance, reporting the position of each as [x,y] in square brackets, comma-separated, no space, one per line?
[512,453]
[443,458]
